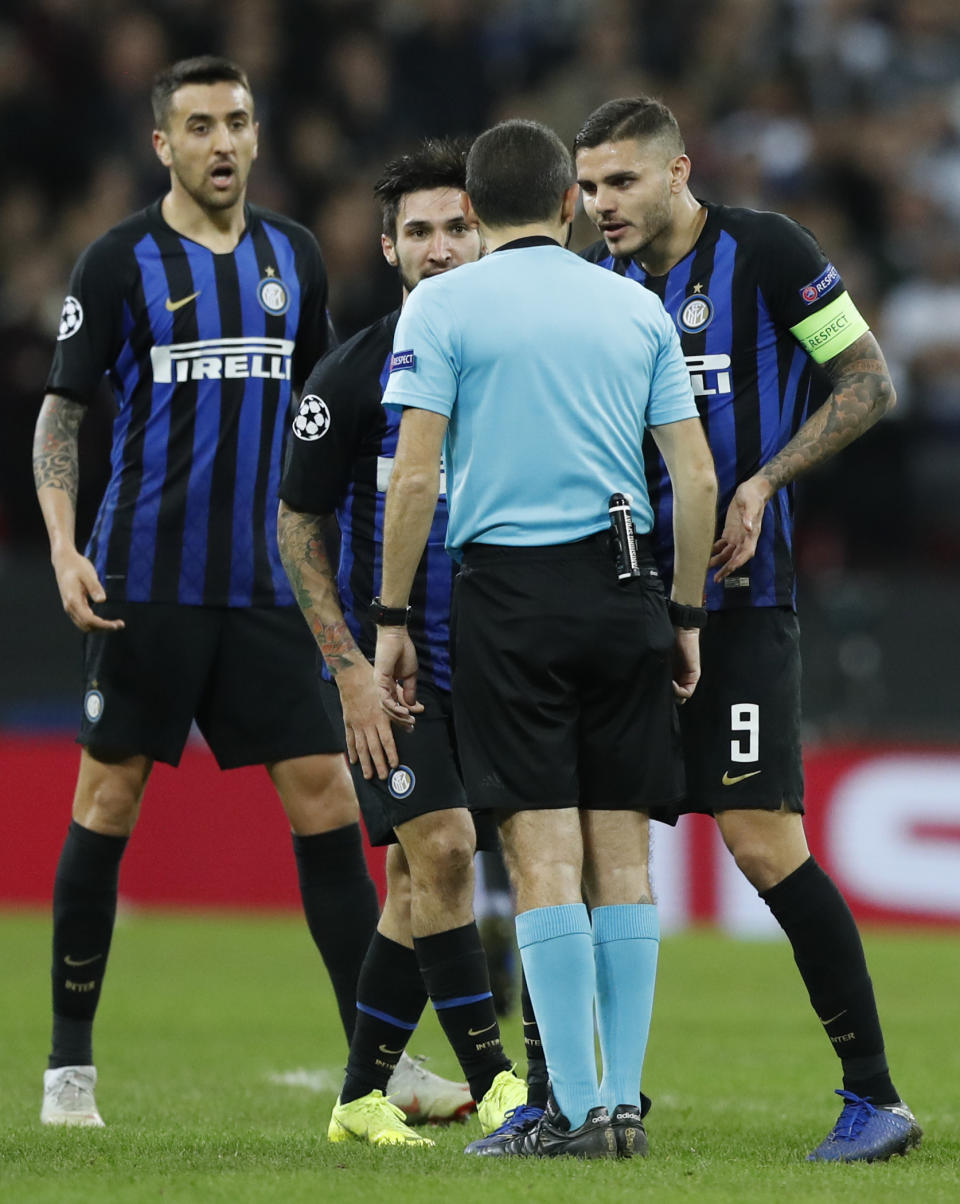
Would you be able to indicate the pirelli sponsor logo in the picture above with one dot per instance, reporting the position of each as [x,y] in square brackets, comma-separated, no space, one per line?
[830,330]
[222,359]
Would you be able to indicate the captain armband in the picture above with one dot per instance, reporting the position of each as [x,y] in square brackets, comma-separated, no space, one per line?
[831,329]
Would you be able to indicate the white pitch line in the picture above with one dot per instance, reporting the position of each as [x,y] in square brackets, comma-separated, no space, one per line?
[313,1080]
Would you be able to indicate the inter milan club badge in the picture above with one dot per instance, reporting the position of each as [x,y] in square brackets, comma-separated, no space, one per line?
[695,313]
[93,705]
[273,294]
[401,782]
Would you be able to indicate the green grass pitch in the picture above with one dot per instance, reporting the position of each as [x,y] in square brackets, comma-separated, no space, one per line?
[201,1013]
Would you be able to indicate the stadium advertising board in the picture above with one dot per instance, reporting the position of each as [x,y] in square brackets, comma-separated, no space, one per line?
[884,822]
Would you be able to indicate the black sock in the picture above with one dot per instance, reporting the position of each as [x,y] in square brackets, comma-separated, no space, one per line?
[341,906]
[390,998]
[538,1083]
[829,955]
[455,972]
[84,910]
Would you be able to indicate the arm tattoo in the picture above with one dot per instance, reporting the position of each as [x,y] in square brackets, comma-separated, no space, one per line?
[55,458]
[862,393]
[305,559]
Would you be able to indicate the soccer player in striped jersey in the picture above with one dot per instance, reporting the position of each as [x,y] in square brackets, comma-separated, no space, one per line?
[204,311]
[340,463]
[786,373]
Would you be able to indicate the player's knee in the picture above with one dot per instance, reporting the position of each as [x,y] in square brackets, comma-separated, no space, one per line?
[759,863]
[443,856]
[109,807]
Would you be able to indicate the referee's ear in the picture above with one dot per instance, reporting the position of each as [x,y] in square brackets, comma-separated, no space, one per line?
[568,209]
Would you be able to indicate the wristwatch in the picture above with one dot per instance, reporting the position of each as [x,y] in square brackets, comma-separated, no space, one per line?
[388,616]
[686,616]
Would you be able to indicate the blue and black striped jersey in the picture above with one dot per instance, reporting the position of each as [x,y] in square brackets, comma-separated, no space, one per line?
[202,350]
[744,302]
[339,462]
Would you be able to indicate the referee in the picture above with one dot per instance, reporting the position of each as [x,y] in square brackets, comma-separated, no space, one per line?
[542,373]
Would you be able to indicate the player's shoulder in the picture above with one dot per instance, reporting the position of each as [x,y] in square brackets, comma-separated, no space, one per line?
[761,229]
[125,235]
[598,252]
[296,231]
[364,352]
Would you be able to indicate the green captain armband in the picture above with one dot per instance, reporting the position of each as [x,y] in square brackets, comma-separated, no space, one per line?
[830,330]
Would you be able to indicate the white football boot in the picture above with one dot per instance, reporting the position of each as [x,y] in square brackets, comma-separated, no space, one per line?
[424,1097]
[68,1097]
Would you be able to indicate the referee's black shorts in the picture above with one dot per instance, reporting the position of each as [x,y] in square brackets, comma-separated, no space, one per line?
[247,675]
[741,728]
[563,680]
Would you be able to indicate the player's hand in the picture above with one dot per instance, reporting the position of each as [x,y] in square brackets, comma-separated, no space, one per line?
[741,530]
[394,688]
[79,586]
[360,703]
[686,663]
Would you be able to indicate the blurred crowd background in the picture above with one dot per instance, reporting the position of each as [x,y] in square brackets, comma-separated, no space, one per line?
[844,114]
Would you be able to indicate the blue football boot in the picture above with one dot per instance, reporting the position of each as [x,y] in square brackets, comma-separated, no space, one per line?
[518,1121]
[865,1132]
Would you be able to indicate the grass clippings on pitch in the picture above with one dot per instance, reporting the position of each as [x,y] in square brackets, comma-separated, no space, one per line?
[219,1052]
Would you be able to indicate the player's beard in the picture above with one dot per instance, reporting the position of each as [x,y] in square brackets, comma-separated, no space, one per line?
[209,198]
[408,282]
[655,221]
[405,280]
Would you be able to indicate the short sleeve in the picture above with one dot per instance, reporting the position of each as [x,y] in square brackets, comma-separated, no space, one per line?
[90,333]
[335,421]
[424,367]
[315,333]
[671,394]
[805,292]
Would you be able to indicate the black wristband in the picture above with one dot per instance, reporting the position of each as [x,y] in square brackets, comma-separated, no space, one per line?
[687,616]
[388,616]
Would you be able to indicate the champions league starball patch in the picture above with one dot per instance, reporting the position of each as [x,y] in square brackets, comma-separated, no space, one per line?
[71,318]
[401,782]
[696,313]
[273,295]
[312,420]
[93,705]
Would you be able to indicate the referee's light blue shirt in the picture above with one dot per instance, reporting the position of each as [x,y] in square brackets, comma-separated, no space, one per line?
[549,369]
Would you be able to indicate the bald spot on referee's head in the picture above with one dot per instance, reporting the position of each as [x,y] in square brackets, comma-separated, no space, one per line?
[517,174]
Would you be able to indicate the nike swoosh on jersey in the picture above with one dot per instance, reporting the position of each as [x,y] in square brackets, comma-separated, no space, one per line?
[84,961]
[476,1032]
[727,780]
[174,305]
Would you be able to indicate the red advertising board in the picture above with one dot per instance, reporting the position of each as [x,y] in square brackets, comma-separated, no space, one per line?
[883,820]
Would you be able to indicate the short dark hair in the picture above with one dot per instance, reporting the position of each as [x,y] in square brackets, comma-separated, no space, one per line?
[517,173]
[205,69]
[436,163]
[640,117]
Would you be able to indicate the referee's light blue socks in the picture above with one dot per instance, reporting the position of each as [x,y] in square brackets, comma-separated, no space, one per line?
[556,947]
[626,941]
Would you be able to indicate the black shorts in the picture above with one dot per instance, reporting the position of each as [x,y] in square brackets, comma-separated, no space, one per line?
[427,778]
[741,728]
[246,675]
[562,681]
